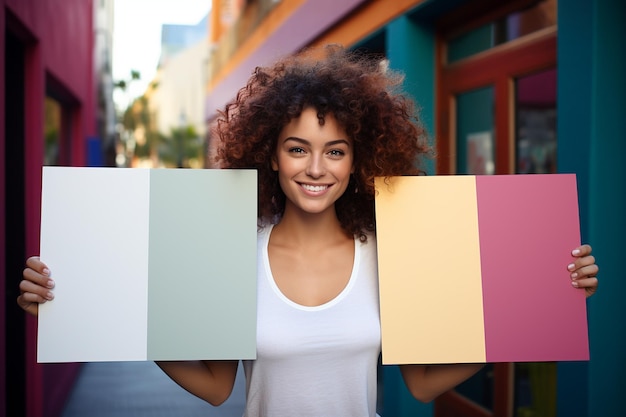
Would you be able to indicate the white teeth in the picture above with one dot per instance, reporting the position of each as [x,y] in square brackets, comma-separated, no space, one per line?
[314,188]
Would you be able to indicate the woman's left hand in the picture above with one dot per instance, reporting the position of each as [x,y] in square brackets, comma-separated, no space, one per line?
[583,270]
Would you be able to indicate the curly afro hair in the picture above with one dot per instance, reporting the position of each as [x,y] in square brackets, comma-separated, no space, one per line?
[364,97]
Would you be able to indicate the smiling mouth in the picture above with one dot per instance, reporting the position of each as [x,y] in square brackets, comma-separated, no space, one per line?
[314,188]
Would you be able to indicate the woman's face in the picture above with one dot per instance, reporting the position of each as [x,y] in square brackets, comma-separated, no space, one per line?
[314,162]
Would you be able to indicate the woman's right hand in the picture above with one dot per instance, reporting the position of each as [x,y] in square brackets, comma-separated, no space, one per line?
[36,287]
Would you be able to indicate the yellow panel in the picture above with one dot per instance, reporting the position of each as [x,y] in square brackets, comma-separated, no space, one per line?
[429,269]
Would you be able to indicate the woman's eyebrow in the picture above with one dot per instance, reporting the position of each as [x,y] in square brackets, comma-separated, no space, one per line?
[327,144]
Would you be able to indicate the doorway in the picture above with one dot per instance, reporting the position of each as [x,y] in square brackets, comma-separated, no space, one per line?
[14,227]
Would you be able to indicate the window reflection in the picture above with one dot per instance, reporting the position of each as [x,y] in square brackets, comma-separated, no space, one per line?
[52,131]
[540,15]
[535,108]
[475,139]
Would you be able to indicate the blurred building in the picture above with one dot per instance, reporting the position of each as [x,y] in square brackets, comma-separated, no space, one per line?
[165,126]
[55,109]
[505,87]
[176,38]
[101,149]
[176,96]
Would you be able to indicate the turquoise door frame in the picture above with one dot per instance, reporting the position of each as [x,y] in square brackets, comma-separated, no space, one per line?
[592,143]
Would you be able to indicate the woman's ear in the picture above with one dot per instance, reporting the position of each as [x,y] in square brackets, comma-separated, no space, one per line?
[274,163]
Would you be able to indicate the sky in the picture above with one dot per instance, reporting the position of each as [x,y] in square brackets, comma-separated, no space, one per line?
[137,37]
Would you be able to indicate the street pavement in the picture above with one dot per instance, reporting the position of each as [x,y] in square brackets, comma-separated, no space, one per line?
[125,389]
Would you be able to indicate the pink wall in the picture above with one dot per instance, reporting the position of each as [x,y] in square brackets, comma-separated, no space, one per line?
[59,39]
[64,31]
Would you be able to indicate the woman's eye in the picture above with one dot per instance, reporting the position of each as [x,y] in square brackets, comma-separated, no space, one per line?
[336,152]
[296,150]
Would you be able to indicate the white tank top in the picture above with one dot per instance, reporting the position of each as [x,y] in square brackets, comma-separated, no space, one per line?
[316,361]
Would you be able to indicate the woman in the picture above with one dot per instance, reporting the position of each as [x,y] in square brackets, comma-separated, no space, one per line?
[318,127]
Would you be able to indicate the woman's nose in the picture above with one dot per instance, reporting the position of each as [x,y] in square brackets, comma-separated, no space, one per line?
[316,166]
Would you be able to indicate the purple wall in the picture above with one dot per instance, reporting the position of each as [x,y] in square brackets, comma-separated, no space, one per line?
[304,25]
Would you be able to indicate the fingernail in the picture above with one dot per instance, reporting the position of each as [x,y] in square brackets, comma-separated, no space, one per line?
[574,275]
[576,252]
[50,295]
[575,284]
[50,283]
[46,271]
[571,267]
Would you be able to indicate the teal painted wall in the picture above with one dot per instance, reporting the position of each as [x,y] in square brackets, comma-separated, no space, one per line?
[411,49]
[592,143]
[574,131]
[607,209]
[606,204]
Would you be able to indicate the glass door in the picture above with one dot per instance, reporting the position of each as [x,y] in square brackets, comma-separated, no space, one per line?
[475,141]
[535,123]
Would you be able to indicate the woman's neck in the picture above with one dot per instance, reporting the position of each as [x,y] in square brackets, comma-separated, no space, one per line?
[297,228]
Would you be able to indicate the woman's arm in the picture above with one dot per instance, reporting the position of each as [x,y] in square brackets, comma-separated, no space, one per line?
[427,382]
[211,381]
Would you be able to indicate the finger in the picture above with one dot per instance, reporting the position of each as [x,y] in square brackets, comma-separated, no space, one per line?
[584,272]
[579,263]
[590,285]
[582,250]
[38,278]
[29,307]
[585,282]
[39,293]
[35,264]
[30,298]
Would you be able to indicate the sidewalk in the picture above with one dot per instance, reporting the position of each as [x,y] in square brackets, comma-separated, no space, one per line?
[124,389]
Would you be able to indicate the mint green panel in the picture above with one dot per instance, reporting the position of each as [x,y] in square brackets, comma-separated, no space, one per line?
[202,264]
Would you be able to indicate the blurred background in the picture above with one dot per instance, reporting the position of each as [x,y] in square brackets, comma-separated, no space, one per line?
[504,87]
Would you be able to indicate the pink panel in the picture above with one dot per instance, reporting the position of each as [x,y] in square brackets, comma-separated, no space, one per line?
[528,226]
